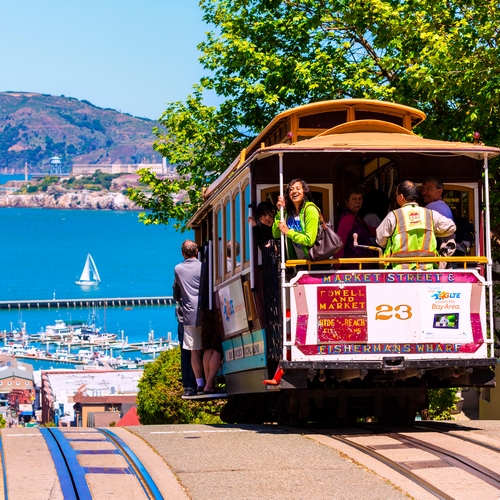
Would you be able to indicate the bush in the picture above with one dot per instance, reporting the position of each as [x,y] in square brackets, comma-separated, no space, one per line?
[160,389]
[441,403]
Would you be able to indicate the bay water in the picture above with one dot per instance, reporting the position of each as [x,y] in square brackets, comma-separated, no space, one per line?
[43,254]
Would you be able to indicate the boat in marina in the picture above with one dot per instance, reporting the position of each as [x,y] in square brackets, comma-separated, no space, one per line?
[75,332]
[155,348]
[94,338]
[64,355]
[60,330]
[90,274]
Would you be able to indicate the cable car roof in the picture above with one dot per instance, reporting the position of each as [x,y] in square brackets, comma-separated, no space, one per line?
[369,127]
[382,142]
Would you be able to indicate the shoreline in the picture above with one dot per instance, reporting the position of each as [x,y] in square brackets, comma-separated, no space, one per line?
[81,200]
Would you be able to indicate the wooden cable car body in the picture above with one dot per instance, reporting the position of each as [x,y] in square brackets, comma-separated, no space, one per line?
[341,344]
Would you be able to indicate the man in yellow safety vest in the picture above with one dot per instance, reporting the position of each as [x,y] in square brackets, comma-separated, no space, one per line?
[410,231]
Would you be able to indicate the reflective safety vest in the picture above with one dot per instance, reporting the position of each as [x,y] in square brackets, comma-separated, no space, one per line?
[413,236]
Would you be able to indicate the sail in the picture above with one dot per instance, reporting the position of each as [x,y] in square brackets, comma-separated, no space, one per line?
[93,267]
[90,274]
[86,270]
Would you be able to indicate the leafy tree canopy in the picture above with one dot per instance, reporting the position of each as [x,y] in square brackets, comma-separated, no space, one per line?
[262,57]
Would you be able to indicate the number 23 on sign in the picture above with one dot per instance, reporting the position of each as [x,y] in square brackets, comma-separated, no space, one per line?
[386,311]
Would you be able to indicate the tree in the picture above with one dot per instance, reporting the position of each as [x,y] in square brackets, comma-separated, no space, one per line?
[265,56]
[159,400]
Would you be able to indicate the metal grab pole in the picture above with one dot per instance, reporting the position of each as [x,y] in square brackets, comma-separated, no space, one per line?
[489,265]
[210,273]
[283,267]
[253,252]
[253,261]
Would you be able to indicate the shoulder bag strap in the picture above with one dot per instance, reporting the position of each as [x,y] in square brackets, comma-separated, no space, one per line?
[321,220]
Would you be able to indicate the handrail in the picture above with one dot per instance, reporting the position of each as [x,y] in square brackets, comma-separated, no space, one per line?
[387,260]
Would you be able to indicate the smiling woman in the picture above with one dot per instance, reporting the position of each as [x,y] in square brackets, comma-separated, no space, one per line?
[300,224]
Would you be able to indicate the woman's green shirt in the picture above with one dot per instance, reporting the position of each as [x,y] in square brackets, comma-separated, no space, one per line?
[307,236]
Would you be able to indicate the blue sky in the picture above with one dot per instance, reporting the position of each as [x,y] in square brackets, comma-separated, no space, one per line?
[134,56]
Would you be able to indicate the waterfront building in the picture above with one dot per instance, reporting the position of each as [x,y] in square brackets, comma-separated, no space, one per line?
[122,168]
[14,375]
[81,397]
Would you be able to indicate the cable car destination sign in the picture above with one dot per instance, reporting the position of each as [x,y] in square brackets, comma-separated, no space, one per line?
[349,313]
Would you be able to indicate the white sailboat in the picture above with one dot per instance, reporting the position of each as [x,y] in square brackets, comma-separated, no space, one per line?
[89,270]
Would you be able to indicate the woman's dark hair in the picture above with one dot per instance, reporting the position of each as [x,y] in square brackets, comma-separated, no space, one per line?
[290,207]
[265,208]
[375,202]
[355,190]
[408,189]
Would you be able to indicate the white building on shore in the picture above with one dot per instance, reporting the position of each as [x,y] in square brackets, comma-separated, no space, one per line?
[121,168]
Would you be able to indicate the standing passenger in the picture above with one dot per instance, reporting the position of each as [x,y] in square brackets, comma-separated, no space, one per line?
[432,192]
[410,231]
[262,223]
[188,279]
[300,225]
[188,378]
[210,339]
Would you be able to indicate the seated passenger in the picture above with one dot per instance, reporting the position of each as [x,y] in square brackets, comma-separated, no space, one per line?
[228,255]
[262,222]
[301,222]
[350,223]
[410,231]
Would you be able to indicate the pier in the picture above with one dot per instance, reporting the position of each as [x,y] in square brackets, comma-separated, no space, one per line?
[87,302]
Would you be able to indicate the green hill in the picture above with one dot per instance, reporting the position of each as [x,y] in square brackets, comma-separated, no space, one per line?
[35,127]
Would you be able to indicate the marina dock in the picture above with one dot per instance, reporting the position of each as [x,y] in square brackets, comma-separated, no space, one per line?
[90,302]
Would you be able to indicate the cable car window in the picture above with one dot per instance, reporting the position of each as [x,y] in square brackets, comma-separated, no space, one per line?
[237,228]
[323,120]
[246,202]
[218,244]
[371,115]
[228,236]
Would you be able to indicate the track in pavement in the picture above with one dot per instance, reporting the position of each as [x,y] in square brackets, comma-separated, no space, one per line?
[440,463]
[89,464]
[209,462]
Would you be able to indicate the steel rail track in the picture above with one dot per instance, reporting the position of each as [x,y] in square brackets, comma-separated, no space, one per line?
[451,458]
[463,438]
[142,474]
[4,470]
[393,465]
[72,475]
[454,459]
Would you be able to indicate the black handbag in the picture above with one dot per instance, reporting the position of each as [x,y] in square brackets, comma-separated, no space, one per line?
[327,243]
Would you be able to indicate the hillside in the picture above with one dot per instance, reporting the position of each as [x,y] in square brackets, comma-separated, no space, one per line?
[35,127]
